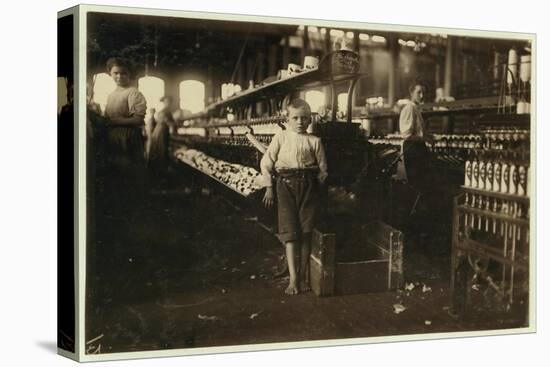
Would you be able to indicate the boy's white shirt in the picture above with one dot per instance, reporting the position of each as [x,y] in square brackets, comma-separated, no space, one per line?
[289,149]
[411,123]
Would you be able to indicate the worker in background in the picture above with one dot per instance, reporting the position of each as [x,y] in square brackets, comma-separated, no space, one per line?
[411,126]
[157,142]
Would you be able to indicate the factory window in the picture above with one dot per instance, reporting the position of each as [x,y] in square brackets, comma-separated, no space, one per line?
[152,89]
[61,93]
[378,39]
[316,100]
[103,86]
[192,95]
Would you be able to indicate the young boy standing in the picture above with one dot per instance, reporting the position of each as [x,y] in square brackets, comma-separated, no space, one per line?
[297,160]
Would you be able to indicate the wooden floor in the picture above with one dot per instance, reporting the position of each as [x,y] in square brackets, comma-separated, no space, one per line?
[190,270]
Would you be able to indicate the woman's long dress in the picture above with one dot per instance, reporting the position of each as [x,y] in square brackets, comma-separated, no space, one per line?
[125,145]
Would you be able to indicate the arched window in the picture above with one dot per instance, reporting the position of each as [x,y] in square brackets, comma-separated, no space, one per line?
[315,99]
[61,93]
[103,86]
[152,89]
[192,93]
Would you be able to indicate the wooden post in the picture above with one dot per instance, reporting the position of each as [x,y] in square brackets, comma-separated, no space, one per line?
[327,49]
[328,45]
[272,65]
[251,67]
[260,75]
[241,71]
[305,48]
[464,70]
[449,64]
[356,43]
[437,74]
[209,94]
[393,47]
[357,87]
[448,79]
[286,52]
[261,65]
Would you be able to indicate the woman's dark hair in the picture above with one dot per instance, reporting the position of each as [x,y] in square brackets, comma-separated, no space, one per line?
[120,62]
[414,83]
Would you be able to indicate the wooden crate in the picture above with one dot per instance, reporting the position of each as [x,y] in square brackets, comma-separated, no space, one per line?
[381,271]
[322,262]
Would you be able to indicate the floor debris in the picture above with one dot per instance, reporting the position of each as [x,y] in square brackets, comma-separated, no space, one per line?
[427,322]
[208,318]
[94,339]
[425,288]
[398,308]
[254,315]
[409,286]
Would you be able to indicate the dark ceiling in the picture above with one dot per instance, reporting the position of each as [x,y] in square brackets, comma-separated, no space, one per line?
[175,43]
[170,45]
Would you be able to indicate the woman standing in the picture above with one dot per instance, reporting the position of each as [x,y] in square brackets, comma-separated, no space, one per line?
[125,111]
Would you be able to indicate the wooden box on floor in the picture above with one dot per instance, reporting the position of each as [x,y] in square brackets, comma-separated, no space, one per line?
[381,271]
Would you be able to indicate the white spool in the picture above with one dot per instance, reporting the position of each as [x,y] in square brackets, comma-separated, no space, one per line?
[282,74]
[525,68]
[230,89]
[527,189]
[224,91]
[489,176]
[512,73]
[294,69]
[475,174]
[311,62]
[481,177]
[512,185]
[497,176]
[521,108]
[468,174]
[521,189]
[505,178]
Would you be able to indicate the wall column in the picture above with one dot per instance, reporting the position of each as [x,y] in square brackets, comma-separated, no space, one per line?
[286,53]
[393,48]
[449,64]
[305,49]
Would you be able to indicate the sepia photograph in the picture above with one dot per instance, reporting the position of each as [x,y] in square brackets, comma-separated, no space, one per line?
[264,183]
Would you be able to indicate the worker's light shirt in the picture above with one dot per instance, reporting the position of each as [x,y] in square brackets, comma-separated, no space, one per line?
[411,123]
[290,150]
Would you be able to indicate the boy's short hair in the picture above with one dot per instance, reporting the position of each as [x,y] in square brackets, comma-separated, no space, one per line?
[299,103]
[413,83]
